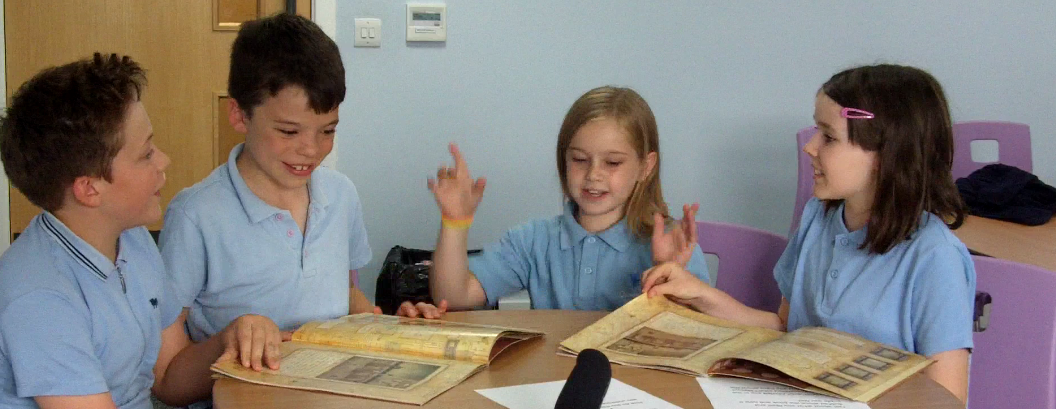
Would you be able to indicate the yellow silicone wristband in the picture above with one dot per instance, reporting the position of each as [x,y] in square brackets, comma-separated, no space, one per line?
[462,224]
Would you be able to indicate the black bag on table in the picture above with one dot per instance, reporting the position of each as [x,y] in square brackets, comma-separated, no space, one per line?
[404,277]
[1008,193]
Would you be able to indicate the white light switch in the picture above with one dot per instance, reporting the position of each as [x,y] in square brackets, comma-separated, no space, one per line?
[368,32]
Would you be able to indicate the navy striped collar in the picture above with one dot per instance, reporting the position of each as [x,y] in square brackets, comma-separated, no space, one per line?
[74,245]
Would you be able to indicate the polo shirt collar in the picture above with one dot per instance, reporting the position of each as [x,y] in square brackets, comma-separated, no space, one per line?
[618,237]
[857,236]
[80,250]
[317,193]
[572,232]
[256,209]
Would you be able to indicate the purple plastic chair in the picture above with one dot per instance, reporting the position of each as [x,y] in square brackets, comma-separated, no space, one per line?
[1013,145]
[746,262]
[805,187]
[1014,360]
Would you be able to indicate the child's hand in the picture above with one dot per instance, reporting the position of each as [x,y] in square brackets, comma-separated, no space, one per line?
[457,194]
[428,311]
[673,281]
[254,341]
[677,244]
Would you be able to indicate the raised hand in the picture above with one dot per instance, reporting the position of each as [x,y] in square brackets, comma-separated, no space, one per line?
[677,244]
[457,194]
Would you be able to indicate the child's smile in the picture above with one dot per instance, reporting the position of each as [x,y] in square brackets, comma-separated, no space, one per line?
[300,170]
[603,170]
[594,194]
[285,140]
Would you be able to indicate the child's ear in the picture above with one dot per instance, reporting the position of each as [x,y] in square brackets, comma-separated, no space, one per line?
[85,191]
[236,116]
[650,164]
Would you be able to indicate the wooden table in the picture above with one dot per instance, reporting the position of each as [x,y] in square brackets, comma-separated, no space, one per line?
[536,361]
[1035,245]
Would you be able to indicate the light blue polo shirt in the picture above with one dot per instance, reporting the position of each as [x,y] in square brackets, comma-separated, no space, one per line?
[565,267]
[918,296]
[228,253]
[74,323]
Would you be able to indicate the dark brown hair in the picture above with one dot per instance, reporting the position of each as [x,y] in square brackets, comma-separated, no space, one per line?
[285,50]
[66,123]
[913,138]
[632,113]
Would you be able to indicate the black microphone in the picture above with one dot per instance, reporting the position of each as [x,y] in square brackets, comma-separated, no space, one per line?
[588,382]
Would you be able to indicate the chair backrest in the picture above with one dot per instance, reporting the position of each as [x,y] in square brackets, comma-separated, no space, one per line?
[1014,360]
[1013,145]
[746,262]
[805,185]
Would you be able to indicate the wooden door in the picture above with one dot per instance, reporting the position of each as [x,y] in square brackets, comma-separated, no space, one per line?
[183,44]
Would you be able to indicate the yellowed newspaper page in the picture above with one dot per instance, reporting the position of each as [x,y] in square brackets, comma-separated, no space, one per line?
[838,362]
[410,336]
[373,375]
[657,333]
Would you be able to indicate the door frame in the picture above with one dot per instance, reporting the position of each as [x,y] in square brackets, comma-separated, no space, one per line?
[5,197]
[324,13]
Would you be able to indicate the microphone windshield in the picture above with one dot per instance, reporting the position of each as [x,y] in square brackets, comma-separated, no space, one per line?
[588,382]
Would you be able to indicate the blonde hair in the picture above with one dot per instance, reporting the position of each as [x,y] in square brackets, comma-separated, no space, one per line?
[632,113]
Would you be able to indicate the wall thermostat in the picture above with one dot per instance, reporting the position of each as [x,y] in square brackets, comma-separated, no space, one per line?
[426,22]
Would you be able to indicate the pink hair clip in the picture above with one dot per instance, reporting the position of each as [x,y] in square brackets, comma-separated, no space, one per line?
[855,113]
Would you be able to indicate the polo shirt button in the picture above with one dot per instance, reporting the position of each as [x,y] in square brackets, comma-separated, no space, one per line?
[289,233]
[588,270]
[844,241]
[834,273]
[590,240]
[278,217]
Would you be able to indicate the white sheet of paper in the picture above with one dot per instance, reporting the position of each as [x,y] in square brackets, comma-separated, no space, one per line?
[737,393]
[544,395]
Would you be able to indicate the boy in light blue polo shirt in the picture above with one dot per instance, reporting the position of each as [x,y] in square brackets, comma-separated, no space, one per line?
[271,232]
[86,317]
[229,252]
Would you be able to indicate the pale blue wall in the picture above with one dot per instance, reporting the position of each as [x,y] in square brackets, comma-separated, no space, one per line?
[730,83]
